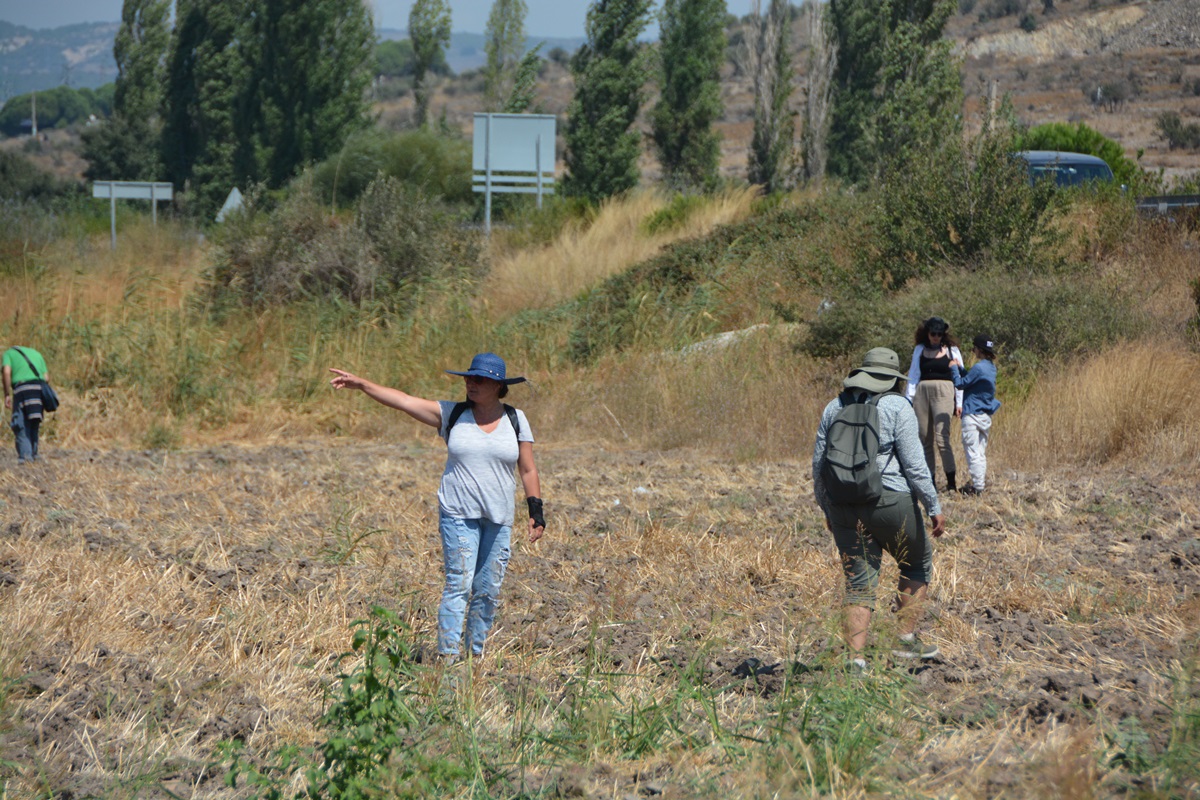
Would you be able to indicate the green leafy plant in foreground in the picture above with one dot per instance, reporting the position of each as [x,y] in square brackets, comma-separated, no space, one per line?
[377,720]
[1173,770]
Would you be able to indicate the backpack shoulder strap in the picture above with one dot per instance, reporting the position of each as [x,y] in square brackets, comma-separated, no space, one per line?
[455,413]
[463,405]
[512,417]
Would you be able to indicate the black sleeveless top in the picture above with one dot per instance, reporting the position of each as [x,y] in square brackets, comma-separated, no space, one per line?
[935,368]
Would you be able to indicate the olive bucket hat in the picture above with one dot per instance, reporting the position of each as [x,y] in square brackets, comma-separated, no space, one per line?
[878,373]
[488,365]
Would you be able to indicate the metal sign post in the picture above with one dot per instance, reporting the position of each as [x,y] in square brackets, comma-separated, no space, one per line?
[514,154]
[131,190]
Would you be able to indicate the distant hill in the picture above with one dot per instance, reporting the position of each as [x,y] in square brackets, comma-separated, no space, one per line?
[81,55]
[466,50]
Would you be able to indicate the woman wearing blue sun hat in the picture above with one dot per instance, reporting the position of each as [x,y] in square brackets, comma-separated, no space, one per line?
[486,440]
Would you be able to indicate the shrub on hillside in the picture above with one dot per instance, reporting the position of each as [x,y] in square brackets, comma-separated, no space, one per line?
[1032,318]
[438,163]
[1179,134]
[995,9]
[967,204]
[21,179]
[398,241]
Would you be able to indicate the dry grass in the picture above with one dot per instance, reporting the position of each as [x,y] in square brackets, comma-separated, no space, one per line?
[587,253]
[83,280]
[156,603]
[1134,403]
[161,603]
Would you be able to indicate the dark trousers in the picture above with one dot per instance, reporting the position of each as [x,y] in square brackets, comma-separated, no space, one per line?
[26,432]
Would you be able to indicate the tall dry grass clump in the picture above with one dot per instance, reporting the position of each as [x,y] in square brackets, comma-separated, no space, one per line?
[1134,401]
[746,394]
[588,252]
[86,281]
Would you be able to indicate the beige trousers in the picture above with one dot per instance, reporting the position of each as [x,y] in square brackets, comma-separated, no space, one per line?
[934,405]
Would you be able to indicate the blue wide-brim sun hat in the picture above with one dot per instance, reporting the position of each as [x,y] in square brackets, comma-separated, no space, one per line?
[489,365]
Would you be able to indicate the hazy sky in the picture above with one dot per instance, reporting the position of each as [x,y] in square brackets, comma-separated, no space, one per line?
[558,18]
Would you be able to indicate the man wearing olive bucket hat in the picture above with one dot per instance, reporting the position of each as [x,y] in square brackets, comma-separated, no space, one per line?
[880,513]
[485,440]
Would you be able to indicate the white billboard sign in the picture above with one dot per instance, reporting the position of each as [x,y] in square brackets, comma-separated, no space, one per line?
[133,190]
[154,191]
[513,154]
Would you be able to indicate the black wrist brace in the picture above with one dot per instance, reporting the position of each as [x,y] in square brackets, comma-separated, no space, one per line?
[535,511]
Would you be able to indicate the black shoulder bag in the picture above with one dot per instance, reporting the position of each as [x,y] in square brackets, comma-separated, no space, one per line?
[49,396]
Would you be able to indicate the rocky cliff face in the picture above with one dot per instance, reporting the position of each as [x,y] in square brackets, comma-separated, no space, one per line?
[1171,24]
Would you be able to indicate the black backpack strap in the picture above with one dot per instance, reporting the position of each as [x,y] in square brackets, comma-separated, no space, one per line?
[875,399]
[512,417]
[463,405]
[455,413]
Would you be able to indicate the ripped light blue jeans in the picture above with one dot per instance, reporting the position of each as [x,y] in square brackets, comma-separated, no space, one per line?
[475,553]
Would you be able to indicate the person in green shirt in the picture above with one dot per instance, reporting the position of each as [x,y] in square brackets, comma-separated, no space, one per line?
[24,369]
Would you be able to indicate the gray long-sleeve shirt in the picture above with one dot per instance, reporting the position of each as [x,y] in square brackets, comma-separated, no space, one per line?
[901,457]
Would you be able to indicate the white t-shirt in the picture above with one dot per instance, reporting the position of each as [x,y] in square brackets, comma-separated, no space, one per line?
[478,482]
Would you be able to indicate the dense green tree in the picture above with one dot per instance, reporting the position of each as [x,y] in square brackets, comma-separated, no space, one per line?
[56,108]
[691,50]
[771,71]
[891,60]
[258,89]
[921,88]
[429,31]
[127,145]
[208,144]
[311,64]
[140,50]
[524,89]
[505,46]
[610,75]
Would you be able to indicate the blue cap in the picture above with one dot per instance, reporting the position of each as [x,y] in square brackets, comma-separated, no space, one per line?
[488,365]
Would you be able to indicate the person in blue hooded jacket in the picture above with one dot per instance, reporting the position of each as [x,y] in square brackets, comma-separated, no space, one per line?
[979,403]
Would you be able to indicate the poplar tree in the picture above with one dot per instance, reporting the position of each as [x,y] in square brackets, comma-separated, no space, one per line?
[257,89]
[895,83]
[311,65]
[822,58]
[521,98]
[771,71]
[207,145]
[691,51]
[429,31]
[610,75]
[505,46]
[126,146]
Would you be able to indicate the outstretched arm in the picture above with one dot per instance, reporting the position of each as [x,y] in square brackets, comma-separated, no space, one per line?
[7,386]
[427,411]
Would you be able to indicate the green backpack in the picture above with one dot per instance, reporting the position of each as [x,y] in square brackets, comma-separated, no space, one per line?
[852,475]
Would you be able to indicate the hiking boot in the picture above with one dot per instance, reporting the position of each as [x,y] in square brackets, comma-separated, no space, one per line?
[970,490]
[912,647]
[951,485]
